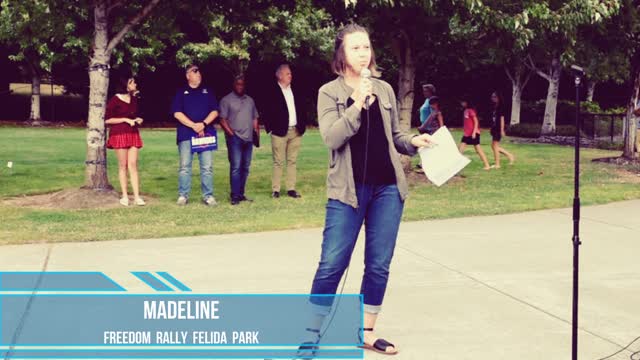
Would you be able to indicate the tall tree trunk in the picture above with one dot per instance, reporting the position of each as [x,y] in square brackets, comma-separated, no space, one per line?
[406,83]
[34,116]
[549,122]
[407,77]
[96,163]
[519,79]
[591,89]
[630,120]
[516,104]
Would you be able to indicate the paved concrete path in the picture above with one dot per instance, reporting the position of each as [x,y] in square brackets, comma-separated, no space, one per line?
[478,288]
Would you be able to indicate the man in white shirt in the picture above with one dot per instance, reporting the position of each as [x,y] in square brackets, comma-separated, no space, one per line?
[283,120]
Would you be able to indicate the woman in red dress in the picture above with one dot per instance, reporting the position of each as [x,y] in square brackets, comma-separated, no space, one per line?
[124,136]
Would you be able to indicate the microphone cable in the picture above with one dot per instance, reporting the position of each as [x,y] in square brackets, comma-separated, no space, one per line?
[634,356]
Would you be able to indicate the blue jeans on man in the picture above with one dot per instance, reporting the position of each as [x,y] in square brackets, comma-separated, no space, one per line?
[380,209]
[240,152]
[184,173]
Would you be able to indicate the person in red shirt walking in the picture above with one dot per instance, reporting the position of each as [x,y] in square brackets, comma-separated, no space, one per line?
[124,136]
[472,132]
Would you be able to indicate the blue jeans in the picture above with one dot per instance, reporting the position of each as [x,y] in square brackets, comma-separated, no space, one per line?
[239,163]
[380,208]
[184,173]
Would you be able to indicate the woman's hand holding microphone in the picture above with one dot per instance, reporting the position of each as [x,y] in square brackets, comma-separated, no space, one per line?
[364,90]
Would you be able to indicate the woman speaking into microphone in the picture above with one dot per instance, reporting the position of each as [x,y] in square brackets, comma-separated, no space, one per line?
[358,120]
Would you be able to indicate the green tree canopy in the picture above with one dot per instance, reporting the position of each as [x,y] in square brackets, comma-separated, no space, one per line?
[243,30]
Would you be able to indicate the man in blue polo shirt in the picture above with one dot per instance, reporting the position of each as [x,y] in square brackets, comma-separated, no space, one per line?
[196,108]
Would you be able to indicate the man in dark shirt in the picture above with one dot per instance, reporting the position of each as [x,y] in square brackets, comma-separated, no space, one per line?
[196,108]
[239,119]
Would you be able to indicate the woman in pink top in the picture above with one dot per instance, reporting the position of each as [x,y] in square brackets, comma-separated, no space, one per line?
[472,132]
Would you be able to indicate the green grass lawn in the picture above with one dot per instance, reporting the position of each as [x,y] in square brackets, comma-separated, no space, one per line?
[47,160]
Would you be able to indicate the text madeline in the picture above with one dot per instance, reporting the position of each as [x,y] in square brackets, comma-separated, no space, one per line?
[181,310]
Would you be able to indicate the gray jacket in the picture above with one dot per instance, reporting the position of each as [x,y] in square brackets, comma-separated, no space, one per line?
[339,123]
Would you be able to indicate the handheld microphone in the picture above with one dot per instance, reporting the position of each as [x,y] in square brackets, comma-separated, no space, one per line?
[366,74]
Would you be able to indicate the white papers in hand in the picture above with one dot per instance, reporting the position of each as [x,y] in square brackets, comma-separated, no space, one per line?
[443,160]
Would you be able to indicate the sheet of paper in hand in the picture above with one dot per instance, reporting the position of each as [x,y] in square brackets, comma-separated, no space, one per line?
[443,160]
[205,143]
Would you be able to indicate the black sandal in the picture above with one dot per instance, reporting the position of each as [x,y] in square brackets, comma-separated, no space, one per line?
[380,346]
[308,349]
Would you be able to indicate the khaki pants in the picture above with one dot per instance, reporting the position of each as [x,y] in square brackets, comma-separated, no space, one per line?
[285,148]
[638,141]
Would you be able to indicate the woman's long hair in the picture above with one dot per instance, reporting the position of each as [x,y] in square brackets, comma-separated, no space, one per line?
[339,62]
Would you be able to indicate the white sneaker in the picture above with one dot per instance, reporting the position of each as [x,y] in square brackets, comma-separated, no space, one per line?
[210,201]
[124,201]
[182,201]
[138,201]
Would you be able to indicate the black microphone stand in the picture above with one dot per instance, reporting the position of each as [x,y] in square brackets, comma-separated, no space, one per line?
[576,220]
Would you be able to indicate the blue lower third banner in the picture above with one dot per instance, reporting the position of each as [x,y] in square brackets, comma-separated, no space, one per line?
[180,326]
